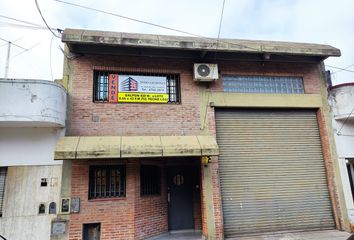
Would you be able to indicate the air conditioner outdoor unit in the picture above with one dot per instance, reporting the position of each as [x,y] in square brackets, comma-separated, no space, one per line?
[205,72]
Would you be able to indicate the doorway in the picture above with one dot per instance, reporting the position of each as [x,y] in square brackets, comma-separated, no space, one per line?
[181,181]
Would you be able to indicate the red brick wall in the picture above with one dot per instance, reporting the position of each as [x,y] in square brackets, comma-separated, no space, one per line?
[151,211]
[130,217]
[329,164]
[116,216]
[130,118]
[151,119]
[158,119]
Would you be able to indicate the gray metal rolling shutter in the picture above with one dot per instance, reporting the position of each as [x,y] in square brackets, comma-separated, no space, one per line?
[3,171]
[272,172]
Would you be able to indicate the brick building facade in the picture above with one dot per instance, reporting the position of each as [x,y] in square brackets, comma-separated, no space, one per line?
[161,161]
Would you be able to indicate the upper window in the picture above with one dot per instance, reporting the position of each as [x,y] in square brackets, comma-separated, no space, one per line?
[350,169]
[136,87]
[107,181]
[263,84]
[3,172]
[149,180]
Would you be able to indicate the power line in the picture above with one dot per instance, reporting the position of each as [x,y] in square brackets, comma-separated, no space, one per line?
[170,28]
[338,133]
[13,43]
[45,22]
[18,39]
[29,49]
[221,17]
[140,21]
[50,57]
[149,23]
[342,69]
[216,48]
[22,21]
[128,18]
[15,25]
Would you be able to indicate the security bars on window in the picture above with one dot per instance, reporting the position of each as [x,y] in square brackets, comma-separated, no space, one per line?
[100,87]
[149,180]
[107,181]
[3,172]
[350,169]
[263,84]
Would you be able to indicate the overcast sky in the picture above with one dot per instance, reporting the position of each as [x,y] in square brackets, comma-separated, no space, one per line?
[315,21]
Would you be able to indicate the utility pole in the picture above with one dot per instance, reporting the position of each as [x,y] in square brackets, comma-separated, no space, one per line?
[7,60]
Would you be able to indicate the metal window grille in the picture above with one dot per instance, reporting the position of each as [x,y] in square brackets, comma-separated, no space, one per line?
[100,88]
[263,84]
[150,181]
[91,231]
[350,169]
[3,173]
[107,181]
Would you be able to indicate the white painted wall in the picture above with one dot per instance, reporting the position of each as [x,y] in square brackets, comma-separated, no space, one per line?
[37,103]
[345,139]
[341,100]
[23,194]
[28,146]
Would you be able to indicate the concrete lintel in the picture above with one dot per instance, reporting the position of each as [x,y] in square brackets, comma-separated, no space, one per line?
[180,146]
[98,147]
[226,99]
[66,148]
[141,146]
[208,145]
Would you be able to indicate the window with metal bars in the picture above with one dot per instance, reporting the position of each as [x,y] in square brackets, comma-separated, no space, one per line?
[350,169]
[100,87]
[107,181]
[3,173]
[150,180]
[91,231]
[263,84]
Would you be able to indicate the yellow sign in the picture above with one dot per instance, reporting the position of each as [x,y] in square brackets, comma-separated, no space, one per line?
[142,97]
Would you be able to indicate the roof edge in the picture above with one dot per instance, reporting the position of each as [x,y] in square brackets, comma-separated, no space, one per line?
[122,39]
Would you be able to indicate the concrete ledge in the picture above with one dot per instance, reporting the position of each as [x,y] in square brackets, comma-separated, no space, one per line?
[80,36]
[93,147]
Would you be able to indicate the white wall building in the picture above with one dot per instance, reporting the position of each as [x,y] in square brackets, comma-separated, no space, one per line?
[341,99]
[32,118]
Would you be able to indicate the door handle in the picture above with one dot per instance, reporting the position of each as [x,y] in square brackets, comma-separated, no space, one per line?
[168,197]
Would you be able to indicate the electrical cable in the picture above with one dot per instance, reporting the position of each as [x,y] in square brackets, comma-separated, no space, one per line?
[151,24]
[340,129]
[15,25]
[27,50]
[172,29]
[45,22]
[216,48]
[342,69]
[219,31]
[22,21]
[50,57]
[13,43]
[18,39]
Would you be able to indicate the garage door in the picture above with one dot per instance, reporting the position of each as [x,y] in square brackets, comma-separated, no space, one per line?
[272,172]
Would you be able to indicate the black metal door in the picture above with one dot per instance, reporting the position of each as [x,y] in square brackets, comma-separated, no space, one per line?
[180,197]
